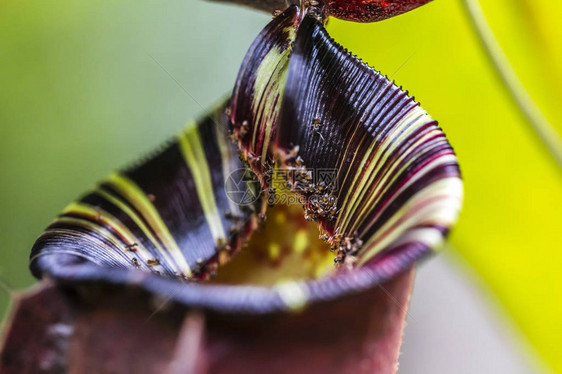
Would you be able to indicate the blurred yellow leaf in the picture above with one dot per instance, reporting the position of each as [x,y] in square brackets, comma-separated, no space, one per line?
[510,227]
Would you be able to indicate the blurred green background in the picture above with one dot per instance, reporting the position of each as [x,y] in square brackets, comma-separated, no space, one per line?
[82,93]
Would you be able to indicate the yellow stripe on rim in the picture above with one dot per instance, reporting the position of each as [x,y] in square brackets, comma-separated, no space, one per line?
[271,77]
[424,207]
[105,217]
[138,198]
[102,232]
[374,159]
[227,155]
[139,222]
[395,194]
[392,173]
[194,156]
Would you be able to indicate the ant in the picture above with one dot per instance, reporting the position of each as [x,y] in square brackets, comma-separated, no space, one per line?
[316,127]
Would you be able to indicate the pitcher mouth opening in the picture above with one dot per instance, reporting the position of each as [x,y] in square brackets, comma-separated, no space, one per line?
[305,104]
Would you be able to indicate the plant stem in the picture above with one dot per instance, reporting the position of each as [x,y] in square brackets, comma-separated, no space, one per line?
[4,285]
[539,124]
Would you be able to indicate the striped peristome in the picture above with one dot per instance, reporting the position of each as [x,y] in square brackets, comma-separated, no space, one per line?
[398,180]
[303,104]
[397,189]
[169,215]
[256,103]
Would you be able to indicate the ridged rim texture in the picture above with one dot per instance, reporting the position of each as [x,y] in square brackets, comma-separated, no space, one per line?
[300,100]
